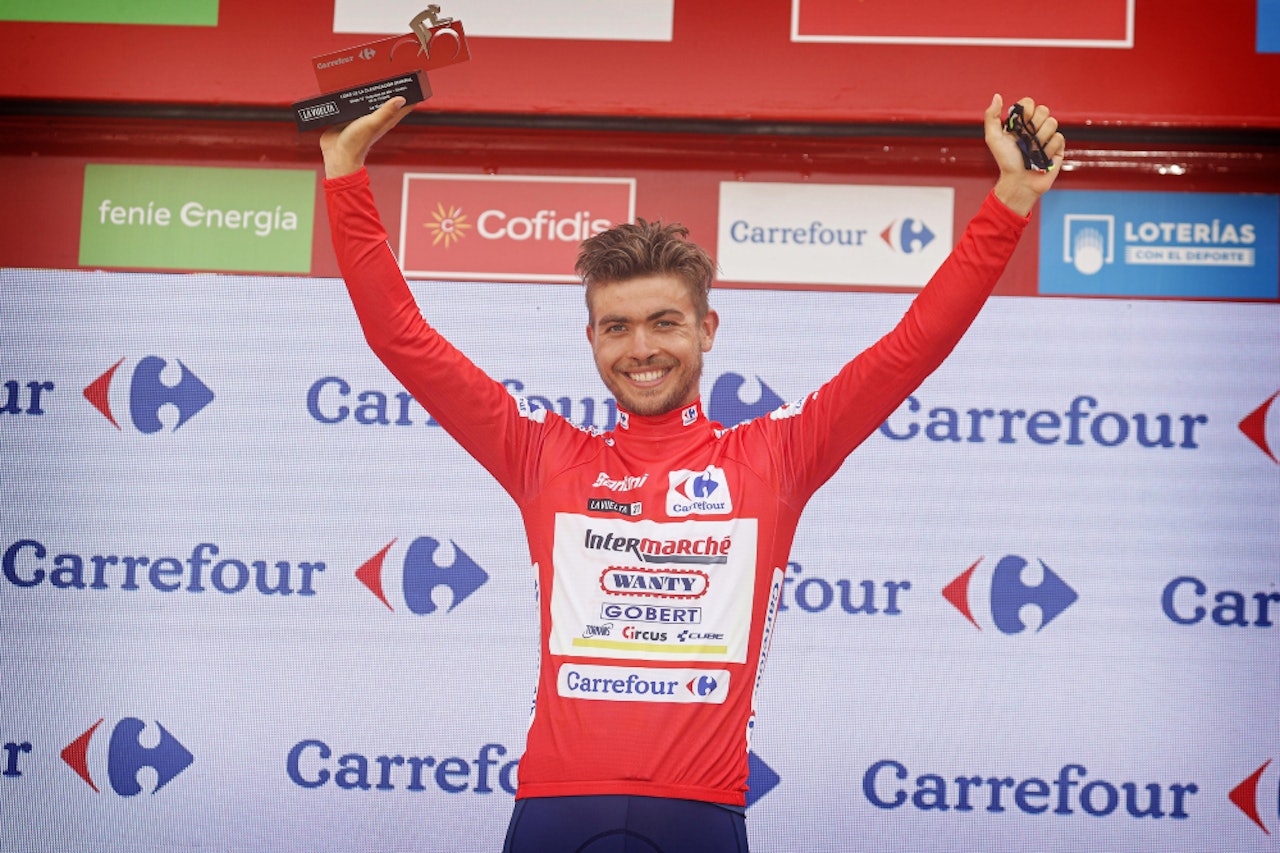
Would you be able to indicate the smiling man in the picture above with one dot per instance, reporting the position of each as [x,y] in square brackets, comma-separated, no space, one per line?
[660,547]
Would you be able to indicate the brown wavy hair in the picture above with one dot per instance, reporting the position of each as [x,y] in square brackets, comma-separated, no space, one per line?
[642,248]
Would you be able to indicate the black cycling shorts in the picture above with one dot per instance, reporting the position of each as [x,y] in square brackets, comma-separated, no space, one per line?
[625,824]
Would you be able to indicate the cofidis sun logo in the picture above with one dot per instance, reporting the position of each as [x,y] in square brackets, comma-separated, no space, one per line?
[140,394]
[125,756]
[413,577]
[1008,591]
[447,225]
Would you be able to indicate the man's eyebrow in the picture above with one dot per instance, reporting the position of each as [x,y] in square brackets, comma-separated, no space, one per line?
[656,315]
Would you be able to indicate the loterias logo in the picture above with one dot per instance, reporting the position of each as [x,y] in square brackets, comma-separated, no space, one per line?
[1245,797]
[1254,426]
[126,756]
[145,394]
[1181,245]
[505,227]
[420,575]
[1009,592]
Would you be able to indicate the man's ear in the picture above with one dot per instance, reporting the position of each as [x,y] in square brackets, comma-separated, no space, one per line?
[710,323]
[591,334]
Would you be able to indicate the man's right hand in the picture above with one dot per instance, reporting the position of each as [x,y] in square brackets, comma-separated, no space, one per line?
[345,146]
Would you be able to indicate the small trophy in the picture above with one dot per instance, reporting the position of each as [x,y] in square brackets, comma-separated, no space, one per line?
[359,79]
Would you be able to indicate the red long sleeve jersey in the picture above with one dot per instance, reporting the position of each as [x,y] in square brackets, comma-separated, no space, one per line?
[659,547]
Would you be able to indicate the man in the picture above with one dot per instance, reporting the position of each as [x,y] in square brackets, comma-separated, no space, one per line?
[671,528]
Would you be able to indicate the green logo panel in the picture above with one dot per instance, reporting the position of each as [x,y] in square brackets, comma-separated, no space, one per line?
[190,13]
[197,218]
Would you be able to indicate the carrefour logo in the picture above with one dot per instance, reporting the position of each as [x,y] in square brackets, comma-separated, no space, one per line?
[907,235]
[334,400]
[704,492]
[889,784]
[421,575]
[146,393]
[126,756]
[728,407]
[1254,426]
[1248,798]
[1011,589]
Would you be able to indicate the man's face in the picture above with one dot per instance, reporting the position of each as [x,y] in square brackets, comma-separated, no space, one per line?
[648,342]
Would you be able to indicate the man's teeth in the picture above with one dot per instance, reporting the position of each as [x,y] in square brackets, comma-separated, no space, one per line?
[648,375]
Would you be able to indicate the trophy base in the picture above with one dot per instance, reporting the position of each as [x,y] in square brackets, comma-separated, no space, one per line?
[349,104]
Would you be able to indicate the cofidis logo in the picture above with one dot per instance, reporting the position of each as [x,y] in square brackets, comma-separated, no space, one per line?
[125,755]
[146,392]
[1178,245]
[523,228]
[413,575]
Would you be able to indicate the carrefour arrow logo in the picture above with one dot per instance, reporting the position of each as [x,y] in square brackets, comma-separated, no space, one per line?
[1245,797]
[421,575]
[126,756]
[147,394]
[907,235]
[1009,594]
[728,407]
[761,779]
[1254,426]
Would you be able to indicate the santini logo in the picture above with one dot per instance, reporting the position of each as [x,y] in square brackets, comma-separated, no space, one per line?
[421,575]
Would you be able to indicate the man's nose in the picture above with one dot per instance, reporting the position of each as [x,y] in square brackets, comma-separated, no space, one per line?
[642,345]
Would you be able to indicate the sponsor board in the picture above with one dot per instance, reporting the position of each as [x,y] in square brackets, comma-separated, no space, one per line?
[1093,23]
[833,234]
[1268,40]
[505,227]
[189,13]
[611,20]
[197,218]
[643,684]
[654,579]
[1175,245]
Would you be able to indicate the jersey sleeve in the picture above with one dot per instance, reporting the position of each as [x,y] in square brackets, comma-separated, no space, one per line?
[812,437]
[495,428]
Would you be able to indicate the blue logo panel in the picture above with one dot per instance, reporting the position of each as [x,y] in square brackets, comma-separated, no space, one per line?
[1173,245]
[1268,26]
